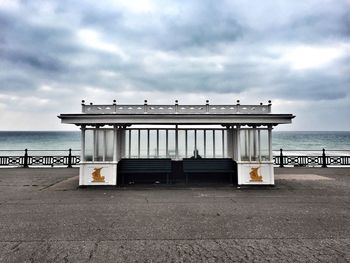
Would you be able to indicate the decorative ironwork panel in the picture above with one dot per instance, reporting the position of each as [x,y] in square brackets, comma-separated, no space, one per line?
[176,109]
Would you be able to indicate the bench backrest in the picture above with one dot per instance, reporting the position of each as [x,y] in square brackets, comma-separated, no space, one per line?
[209,165]
[145,165]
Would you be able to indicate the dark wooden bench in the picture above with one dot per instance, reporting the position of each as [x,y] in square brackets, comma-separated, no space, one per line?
[210,166]
[150,167]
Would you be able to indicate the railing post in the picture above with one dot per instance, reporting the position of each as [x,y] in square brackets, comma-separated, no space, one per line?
[176,106]
[25,160]
[70,159]
[324,159]
[207,106]
[281,158]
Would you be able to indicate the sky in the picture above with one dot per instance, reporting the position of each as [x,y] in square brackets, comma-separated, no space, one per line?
[55,53]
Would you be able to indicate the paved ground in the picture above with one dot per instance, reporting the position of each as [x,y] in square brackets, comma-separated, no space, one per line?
[45,218]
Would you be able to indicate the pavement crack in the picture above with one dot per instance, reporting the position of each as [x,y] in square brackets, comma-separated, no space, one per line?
[15,247]
[93,250]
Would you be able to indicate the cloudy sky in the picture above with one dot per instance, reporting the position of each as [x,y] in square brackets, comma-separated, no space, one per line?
[53,54]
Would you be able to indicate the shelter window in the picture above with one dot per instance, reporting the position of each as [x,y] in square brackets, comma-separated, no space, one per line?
[99,144]
[254,145]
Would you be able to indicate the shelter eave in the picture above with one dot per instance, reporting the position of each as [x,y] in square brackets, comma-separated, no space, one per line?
[186,119]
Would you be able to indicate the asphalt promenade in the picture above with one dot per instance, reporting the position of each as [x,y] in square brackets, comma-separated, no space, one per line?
[44,217]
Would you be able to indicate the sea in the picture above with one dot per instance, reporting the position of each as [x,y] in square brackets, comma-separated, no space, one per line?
[58,142]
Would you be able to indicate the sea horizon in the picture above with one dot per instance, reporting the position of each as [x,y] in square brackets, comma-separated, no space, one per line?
[293,142]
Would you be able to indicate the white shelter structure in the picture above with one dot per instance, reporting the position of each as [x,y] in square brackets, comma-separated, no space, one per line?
[192,138]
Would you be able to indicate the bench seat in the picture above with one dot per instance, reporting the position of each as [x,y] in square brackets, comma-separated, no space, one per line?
[144,166]
[210,166]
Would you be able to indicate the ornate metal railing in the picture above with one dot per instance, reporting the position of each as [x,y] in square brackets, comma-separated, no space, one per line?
[323,159]
[283,159]
[27,159]
[175,108]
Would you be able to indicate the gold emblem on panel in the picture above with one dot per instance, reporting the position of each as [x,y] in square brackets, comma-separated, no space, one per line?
[254,175]
[97,177]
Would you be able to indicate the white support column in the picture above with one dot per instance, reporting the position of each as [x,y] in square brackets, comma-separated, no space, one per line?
[270,143]
[116,144]
[229,143]
[82,152]
[238,141]
[94,149]
[234,143]
[104,145]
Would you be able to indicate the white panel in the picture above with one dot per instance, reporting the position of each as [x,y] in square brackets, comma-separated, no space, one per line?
[255,173]
[98,174]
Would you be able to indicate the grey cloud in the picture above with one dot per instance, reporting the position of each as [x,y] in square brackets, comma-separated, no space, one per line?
[38,48]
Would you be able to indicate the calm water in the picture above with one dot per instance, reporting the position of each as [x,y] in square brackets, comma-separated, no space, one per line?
[43,140]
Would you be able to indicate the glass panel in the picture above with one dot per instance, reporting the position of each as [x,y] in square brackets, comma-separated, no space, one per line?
[218,144]
[244,145]
[99,145]
[143,143]
[162,143]
[134,144]
[153,144]
[89,143]
[200,143]
[253,145]
[127,149]
[264,145]
[182,148]
[190,143]
[171,144]
[224,145]
[209,144]
[109,145]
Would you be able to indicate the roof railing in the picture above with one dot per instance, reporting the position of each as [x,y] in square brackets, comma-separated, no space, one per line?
[175,108]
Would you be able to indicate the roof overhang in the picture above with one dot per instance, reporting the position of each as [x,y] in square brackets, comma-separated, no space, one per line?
[185,119]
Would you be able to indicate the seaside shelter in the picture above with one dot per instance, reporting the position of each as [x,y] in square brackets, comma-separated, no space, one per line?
[126,144]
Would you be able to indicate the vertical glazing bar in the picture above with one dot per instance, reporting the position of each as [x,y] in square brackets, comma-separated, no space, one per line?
[138,143]
[195,139]
[259,146]
[238,143]
[223,143]
[176,143]
[214,143]
[167,143]
[246,137]
[129,143]
[186,144]
[147,143]
[205,142]
[157,143]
